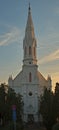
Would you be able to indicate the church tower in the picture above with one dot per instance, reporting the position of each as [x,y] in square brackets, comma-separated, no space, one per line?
[29,42]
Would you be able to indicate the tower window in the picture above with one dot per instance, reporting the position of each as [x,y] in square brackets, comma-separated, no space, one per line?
[29,50]
[34,51]
[29,62]
[30,77]
[25,50]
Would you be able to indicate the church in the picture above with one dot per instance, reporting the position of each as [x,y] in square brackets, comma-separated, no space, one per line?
[30,83]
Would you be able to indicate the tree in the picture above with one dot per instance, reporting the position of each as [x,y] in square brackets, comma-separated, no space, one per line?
[56,101]
[46,108]
[7,100]
[14,99]
[2,101]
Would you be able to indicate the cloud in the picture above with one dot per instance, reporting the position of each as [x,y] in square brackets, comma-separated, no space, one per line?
[51,57]
[14,35]
[50,38]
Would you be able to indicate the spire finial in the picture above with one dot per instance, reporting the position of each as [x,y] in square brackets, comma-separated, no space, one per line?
[29,7]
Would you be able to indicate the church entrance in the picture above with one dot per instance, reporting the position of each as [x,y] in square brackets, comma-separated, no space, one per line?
[30,118]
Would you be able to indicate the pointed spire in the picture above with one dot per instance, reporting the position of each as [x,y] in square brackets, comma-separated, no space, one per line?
[29,26]
[29,43]
[29,20]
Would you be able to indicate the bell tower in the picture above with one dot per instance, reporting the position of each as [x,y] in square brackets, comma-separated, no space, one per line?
[29,42]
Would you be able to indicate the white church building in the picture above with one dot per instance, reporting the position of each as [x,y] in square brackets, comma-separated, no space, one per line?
[29,82]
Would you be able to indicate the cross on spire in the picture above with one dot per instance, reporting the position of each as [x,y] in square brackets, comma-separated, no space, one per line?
[29,7]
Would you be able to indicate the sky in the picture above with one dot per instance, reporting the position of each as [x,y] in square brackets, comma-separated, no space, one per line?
[13,19]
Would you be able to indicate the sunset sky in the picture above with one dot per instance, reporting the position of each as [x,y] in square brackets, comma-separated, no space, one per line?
[13,19]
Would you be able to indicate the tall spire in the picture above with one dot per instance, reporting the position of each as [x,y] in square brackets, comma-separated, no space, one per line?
[29,42]
[29,25]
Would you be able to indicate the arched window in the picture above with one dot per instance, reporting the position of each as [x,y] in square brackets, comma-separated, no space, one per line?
[30,77]
[34,51]
[25,50]
[29,50]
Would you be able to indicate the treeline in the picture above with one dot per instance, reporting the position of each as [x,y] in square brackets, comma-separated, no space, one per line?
[8,98]
[49,107]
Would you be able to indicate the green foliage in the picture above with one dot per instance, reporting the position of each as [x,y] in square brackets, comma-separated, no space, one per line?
[56,102]
[2,99]
[49,106]
[7,100]
[46,107]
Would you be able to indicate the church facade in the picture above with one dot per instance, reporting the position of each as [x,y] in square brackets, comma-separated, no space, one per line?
[29,82]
